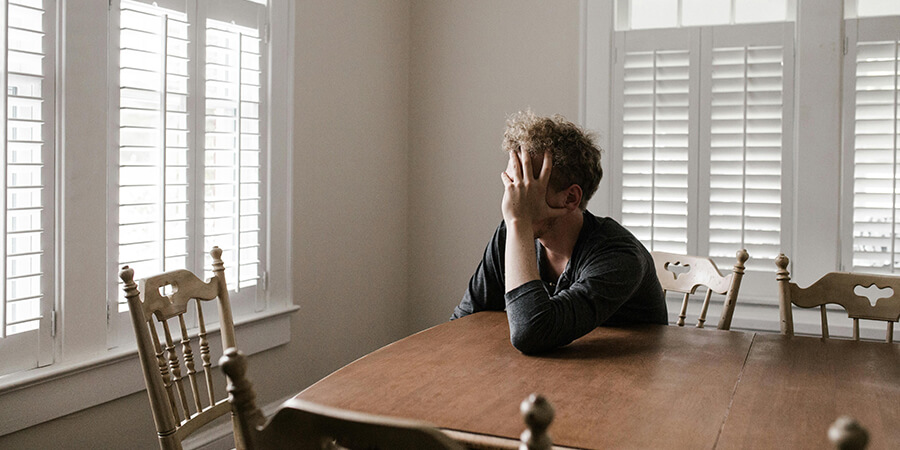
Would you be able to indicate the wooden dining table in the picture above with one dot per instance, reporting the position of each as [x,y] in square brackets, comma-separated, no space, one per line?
[647,386]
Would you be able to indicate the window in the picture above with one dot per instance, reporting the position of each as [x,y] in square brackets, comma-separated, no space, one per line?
[702,138]
[171,97]
[190,142]
[646,14]
[870,8]
[871,134]
[28,190]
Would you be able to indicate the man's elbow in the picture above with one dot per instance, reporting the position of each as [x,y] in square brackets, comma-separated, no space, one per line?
[527,341]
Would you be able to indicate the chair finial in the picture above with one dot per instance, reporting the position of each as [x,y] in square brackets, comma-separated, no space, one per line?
[234,364]
[742,256]
[538,414]
[240,389]
[847,434]
[130,287]
[782,273]
[127,275]
[782,261]
[216,254]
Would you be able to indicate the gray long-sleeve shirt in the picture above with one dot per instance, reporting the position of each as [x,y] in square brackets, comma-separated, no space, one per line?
[609,280]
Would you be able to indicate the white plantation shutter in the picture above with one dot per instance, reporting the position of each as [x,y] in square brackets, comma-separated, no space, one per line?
[746,72]
[702,122]
[656,109]
[28,191]
[871,142]
[190,145]
[154,158]
[233,175]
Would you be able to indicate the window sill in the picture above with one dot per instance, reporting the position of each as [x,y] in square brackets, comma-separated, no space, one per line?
[44,394]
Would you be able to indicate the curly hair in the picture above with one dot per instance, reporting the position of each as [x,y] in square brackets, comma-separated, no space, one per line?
[576,159]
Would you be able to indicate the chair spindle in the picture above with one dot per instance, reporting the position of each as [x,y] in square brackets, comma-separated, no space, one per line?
[175,369]
[189,363]
[702,319]
[683,314]
[890,333]
[164,371]
[204,355]
[825,333]
[855,329]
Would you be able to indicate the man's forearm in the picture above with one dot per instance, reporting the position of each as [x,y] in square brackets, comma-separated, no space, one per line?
[521,260]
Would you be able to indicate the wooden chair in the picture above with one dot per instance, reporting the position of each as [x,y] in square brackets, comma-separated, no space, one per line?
[839,288]
[685,273]
[299,424]
[179,406]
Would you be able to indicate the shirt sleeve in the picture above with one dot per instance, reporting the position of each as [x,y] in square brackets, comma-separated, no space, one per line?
[539,321]
[487,285]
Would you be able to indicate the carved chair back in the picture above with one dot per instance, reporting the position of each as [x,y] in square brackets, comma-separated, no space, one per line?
[685,273]
[172,375]
[850,290]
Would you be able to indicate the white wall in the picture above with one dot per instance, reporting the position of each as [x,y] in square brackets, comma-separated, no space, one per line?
[473,63]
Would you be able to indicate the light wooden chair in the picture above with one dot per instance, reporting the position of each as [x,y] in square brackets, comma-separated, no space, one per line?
[685,273]
[839,288]
[299,424]
[179,406]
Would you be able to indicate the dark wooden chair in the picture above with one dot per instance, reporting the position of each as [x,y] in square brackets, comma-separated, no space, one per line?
[300,424]
[685,273]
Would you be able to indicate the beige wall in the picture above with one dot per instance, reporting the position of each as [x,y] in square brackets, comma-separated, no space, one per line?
[474,62]
[350,179]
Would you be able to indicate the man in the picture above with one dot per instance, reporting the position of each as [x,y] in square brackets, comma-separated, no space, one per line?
[558,270]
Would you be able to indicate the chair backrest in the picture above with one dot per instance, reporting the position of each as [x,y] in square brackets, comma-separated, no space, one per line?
[178,404]
[685,273]
[840,288]
[299,424]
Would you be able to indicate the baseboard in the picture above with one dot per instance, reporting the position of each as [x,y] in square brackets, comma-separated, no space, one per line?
[221,435]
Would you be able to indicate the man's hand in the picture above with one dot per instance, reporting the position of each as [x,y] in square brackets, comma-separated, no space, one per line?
[525,197]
